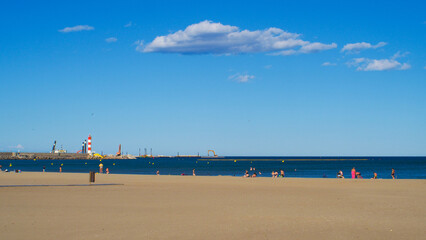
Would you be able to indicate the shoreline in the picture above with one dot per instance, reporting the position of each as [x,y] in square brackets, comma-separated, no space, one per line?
[221,175]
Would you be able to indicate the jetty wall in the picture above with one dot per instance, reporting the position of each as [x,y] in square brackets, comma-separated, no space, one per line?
[47,156]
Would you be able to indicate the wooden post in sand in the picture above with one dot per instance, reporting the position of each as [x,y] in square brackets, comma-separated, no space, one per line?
[92,177]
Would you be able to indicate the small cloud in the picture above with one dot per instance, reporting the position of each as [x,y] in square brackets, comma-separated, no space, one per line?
[405,66]
[317,47]
[287,52]
[357,47]
[77,28]
[366,64]
[19,146]
[111,40]
[328,64]
[129,24]
[308,48]
[399,55]
[139,45]
[241,78]
[268,67]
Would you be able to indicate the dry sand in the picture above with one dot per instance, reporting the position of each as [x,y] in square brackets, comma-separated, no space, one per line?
[187,207]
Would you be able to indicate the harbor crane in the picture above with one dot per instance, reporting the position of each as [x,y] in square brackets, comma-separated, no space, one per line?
[54,147]
[119,151]
[208,153]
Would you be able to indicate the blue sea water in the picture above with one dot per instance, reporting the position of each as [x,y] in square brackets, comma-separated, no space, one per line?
[306,167]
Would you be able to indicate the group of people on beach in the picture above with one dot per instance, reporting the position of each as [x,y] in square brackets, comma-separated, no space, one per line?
[355,174]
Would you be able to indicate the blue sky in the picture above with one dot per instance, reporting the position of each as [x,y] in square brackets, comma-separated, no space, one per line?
[242,78]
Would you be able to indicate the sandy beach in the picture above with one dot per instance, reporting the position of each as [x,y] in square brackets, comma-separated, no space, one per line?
[188,207]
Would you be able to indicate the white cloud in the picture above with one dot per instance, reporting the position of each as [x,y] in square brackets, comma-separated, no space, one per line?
[357,47]
[139,45]
[317,47]
[241,78]
[111,40]
[129,24]
[308,48]
[287,52]
[208,37]
[366,64]
[19,146]
[77,28]
[328,64]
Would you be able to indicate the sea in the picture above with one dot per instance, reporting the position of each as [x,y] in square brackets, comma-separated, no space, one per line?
[295,167]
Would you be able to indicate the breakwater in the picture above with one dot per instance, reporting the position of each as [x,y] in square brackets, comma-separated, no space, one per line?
[44,156]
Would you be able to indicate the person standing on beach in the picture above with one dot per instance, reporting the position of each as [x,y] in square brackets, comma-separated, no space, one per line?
[353,172]
[44,168]
[60,169]
[193,172]
[393,173]
[107,171]
[282,173]
[101,167]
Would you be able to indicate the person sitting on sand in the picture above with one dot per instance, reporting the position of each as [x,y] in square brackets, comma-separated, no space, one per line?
[340,174]
[246,174]
[358,175]
[374,176]
[254,175]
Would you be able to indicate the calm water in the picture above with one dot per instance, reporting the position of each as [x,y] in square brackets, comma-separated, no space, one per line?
[406,167]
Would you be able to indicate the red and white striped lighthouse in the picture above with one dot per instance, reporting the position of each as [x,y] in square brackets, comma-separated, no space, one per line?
[89,145]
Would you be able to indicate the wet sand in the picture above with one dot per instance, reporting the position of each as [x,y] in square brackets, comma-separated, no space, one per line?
[187,207]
